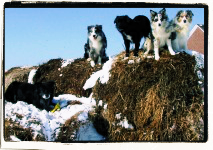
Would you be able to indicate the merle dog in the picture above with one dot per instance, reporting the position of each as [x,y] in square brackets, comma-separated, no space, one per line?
[39,94]
[96,45]
[133,30]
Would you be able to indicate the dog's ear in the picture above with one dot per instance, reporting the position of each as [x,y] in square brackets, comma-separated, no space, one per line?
[89,27]
[116,19]
[127,19]
[162,11]
[179,13]
[99,27]
[189,12]
[152,13]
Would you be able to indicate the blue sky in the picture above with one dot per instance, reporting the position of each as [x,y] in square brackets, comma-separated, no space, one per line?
[35,35]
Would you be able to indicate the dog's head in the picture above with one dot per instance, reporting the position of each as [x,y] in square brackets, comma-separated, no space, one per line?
[184,17]
[122,22]
[159,18]
[45,92]
[94,31]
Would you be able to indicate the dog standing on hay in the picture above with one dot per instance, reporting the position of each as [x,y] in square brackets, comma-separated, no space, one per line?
[184,20]
[96,45]
[133,30]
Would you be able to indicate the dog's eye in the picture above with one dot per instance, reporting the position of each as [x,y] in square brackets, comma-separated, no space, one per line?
[156,20]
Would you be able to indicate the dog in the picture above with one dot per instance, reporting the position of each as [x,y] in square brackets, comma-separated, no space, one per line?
[39,94]
[162,32]
[132,30]
[96,45]
[184,20]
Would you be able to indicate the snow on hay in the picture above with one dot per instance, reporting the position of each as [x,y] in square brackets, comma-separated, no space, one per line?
[69,75]
[49,125]
[157,100]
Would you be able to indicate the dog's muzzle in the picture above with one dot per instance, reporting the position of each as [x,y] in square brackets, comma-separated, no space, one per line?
[46,96]
[159,24]
[184,21]
[95,36]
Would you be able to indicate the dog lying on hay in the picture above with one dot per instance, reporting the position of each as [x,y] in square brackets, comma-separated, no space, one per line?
[39,94]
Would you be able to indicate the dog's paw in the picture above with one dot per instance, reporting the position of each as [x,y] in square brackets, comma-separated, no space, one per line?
[89,59]
[138,60]
[157,57]
[172,53]
[92,63]
[131,62]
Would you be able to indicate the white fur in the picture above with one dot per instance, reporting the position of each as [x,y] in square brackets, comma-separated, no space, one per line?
[44,96]
[96,43]
[128,37]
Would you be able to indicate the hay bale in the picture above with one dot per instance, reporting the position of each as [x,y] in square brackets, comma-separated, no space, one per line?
[13,128]
[17,74]
[69,79]
[68,130]
[155,100]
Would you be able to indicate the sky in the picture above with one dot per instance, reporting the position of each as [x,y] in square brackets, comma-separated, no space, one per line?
[35,35]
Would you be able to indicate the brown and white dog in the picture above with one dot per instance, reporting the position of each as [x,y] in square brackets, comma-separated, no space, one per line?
[184,20]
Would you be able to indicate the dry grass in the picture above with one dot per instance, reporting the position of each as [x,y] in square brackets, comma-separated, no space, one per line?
[24,134]
[161,99]
[70,79]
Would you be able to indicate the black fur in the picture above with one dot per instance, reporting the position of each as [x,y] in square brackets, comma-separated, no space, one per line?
[135,28]
[31,93]
[87,50]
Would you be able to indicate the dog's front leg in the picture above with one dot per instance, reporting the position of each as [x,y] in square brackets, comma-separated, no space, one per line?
[127,44]
[169,44]
[156,49]
[175,45]
[147,46]
[137,44]
[99,60]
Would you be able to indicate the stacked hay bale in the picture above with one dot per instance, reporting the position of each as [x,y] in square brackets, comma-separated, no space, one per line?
[151,100]
[69,79]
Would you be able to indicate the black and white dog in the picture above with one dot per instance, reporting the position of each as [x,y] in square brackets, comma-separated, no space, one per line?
[162,32]
[184,20]
[96,45]
[39,94]
[132,30]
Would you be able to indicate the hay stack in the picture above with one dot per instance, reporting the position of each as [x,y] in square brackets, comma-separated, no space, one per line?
[160,100]
[69,79]
[17,74]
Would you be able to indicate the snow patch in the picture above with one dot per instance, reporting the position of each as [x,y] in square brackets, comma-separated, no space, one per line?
[14,138]
[124,123]
[198,57]
[66,62]
[48,123]
[102,74]
[87,132]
